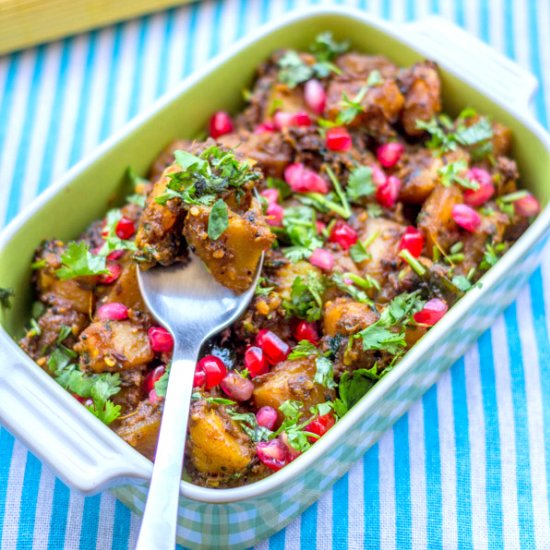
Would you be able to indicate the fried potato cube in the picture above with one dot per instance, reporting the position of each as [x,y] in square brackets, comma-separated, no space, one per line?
[109,346]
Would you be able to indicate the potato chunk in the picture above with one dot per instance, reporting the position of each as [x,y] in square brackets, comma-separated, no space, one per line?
[126,289]
[292,379]
[345,316]
[108,346]
[140,428]
[233,257]
[216,446]
[422,97]
[435,219]
[159,232]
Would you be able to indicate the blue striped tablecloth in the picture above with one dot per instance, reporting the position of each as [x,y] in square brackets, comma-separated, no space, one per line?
[468,467]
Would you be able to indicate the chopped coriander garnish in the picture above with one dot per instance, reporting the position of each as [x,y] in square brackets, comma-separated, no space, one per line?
[351,108]
[451,173]
[360,183]
[218,220]
[358,252]
[204,177]
[112,241]
[263,290]
[346,285]
[161,385]
[444,136]
[300,227]
[375,78]
[379,335]
[306,297]
[79,262]
[282,186]
[324,373]
[304,348]
[416,266]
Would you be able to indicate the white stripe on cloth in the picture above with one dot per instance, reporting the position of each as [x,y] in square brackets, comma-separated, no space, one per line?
[507,435]
[386,490]
[447,452]
[417,458]
[535,428]
[13,495]
[476,437]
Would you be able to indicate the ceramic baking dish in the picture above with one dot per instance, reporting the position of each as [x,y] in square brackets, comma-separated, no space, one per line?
[88,455]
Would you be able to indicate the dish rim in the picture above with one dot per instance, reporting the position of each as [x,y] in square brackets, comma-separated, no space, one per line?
[533,234]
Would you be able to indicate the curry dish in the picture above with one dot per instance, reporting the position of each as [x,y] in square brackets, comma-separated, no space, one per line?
[376,212]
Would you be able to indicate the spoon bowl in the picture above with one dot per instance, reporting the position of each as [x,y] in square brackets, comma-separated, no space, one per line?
[193,306]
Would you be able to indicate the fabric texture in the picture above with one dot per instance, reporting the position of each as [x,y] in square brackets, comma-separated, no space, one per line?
[467,467]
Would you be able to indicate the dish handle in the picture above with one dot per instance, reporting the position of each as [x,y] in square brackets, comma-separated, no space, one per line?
[503,78]
[78,448]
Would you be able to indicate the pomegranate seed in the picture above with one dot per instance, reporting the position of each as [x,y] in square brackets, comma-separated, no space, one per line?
[477,197]
[302,119]
[265,128]
[214,370]
[432,311]
[255,362]
[527,206]
[260,336]
[322,259]
[199,380]
[274,214]
[274,348]
[338,139]
[320,426]
[113,311]
[125,228]
[154,397]
[267,417]
[237,387]
[282,119]
[292,452]
[413,241]
[114,273]
[378,175]
[388,154]
[306,331]
[320,226]
[466,217]
[220,124]
[273,454]
[81,399]
[270,195]
[160,339]
[115,255]
[153,377]
[304,180]
[315,96]
[387,193]
[343,234]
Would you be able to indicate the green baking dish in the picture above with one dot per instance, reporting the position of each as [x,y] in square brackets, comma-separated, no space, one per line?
[89,456]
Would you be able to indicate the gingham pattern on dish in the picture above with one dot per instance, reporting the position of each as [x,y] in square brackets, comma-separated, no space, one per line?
[468,465]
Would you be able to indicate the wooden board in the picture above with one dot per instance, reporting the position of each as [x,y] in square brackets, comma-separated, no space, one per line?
[25,23]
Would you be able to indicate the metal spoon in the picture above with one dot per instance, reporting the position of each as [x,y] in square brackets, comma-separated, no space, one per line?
[188,301]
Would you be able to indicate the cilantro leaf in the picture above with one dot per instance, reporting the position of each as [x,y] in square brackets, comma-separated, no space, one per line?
[324,373]
[375,78]
[325,48]
[206,176]
[378,337]
[112,240]
[293,70]
[360,183]
[346,285]
[304,348]
[161,385]
[353,386]
[218,220]
[306,297]
[451,173]
[300,227]
[358,252]
[6,295]
[79,262]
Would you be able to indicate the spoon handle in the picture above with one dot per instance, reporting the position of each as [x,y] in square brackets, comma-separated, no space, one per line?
[158,526]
